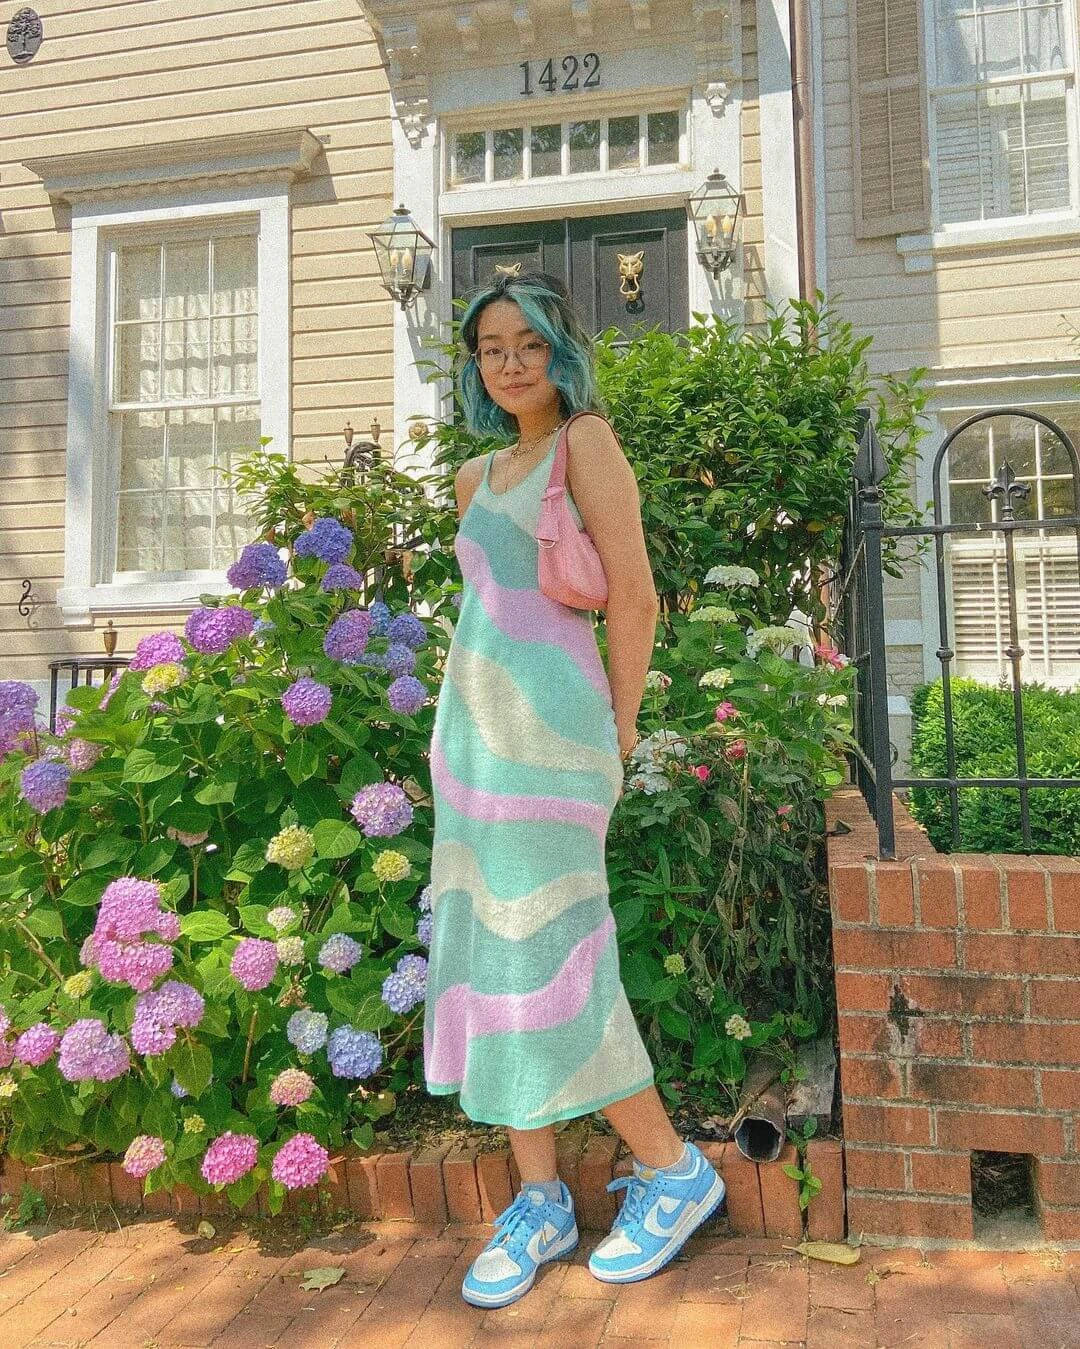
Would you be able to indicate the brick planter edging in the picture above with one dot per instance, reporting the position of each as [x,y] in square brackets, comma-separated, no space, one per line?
[459,1184]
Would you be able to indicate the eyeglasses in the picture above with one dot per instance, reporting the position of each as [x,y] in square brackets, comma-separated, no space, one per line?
[532,354]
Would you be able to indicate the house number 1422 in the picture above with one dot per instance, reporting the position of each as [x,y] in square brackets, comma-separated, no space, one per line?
[569,74]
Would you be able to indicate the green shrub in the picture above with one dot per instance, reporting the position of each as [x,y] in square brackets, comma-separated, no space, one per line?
[985,740]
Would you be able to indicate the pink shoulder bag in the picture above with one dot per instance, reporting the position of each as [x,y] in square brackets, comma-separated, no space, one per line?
[569,567]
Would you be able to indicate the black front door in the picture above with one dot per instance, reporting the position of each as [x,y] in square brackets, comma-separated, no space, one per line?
[620,270]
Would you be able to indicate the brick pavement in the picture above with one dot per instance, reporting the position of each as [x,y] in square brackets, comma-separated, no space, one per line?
[156,1283]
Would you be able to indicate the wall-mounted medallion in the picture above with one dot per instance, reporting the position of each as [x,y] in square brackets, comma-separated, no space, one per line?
[24,35]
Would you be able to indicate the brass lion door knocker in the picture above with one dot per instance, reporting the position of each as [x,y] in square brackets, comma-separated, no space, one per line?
[631,266]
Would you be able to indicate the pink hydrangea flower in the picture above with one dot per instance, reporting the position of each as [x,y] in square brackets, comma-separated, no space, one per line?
[701,771]
[7,1052]
[254,963]
[725,711]
[130,911]
[736,750]
[144,1154]
[300,1162]
[229,1157]
[37,1045]
[784,810]
[291,1087]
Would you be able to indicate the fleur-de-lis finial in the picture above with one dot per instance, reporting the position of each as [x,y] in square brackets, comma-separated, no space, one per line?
[1006,489]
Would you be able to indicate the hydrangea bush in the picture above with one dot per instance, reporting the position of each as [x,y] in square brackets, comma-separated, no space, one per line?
[714,854]
[213,882]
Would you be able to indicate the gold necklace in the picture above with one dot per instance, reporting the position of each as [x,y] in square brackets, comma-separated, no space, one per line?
[520,448]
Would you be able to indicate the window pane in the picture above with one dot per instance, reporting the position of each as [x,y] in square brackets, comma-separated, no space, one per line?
[508,153]
[584,147]
[1039,143]
[623,148]
[965,179]
[1055,457]
[190,448]
[140,283]
[1057,497]
[232,528]
[187,279]
[468,157]
[546,144]
[1044,35]
[968,505]
[663,137]
[142,450]
[999,44]
[235,366]
[235,273]
[137,356]
[238,432]
[188,531]
[187,347]
[138,532]
[968,455]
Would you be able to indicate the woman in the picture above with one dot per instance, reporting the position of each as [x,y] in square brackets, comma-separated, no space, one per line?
[526,1016]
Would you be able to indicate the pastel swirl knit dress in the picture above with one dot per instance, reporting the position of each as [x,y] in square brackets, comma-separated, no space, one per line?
[526,1014]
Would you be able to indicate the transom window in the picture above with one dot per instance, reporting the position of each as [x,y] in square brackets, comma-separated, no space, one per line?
[1047,577]
[1001,100]
[184,398]
[613,144]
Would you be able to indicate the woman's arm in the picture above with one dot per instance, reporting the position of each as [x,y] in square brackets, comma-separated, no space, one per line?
[605,491]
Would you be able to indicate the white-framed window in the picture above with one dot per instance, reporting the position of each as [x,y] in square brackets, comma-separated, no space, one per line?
[626,142]
[1002,114]
[180,324]
[1046,568]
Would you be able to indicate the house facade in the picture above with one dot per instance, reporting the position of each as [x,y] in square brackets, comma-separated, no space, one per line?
[949,137]
[186,192]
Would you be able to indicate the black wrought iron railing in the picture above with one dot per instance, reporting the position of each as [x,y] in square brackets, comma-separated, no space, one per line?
[862,618]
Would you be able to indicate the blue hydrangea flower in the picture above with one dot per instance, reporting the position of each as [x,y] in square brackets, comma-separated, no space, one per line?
[257,565]
[327,539]
[340,953]
[400,659]
[382,809]
[44,784]
[403,989]
[306,1030]
[354,1053]
[424,929]
[425,899]
[407,695]
[306,702]
[341,576]
[348,635]
[380,612]
[407,629]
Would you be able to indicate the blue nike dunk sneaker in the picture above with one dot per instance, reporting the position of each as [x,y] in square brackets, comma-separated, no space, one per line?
[532,1231]
[659,1212]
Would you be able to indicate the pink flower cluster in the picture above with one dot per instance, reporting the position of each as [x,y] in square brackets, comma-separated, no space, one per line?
[131,911]
[254,963]
[300,1162]
[229,1157]
[292,1086]
[160,1012]
[144,1154]
[89,1053]
[37,1045]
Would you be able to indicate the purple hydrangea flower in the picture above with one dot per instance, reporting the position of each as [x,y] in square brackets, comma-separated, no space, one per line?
[376,659]
[144,1154]
[380,613]
[347,636]
[306,702]
[300,1162]
[407,985]
[160,648]
[113,685]
[66,717]
[150,1037]
[407,629]
[44,784]
[37,1045]
[17,704]
[341,576]
[82,755]
[424,929]
[257,565]
[7,1052]
[254,963]
[381,809]
[327,539]
[306,1030]
[229,1157]
[89,1053]
[212,631]
[177,1090]
[399,659]
[354,1053]
[5,1021]
[159,1012]
[130,911]
[455,599]
[340,953]
[291,1087]
[407,694]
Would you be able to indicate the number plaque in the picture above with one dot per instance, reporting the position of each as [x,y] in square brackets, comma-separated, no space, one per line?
[568,74]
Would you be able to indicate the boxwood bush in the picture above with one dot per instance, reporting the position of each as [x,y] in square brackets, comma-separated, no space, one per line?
[986,747]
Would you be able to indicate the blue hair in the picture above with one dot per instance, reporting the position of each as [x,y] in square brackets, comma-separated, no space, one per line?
[548,311]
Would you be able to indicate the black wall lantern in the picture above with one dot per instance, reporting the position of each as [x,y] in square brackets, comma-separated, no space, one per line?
[715,208]
[404,254]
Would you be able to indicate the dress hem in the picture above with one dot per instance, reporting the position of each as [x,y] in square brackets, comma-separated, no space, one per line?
[572,1112]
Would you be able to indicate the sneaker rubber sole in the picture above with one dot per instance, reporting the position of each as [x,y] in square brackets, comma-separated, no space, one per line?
[556,1251]
[692,1219]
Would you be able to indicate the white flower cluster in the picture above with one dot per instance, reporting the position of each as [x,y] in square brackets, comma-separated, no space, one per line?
[732,577]
[738,1027]
[713,613]
[719,678]
[648,759]
[776,639]
[832,699]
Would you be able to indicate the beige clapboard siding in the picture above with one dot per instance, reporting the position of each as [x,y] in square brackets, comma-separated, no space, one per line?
[752,223]
[159,70]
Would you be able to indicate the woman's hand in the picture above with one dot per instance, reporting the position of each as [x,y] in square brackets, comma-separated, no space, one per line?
[628,738]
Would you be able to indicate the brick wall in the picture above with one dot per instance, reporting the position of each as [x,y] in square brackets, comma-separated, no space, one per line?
[958,993]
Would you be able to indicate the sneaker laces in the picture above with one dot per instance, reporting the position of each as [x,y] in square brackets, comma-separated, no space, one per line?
[634,1205]
[514,1225]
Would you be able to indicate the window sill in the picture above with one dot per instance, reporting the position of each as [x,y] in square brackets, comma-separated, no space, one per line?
[919,250]
[79,605]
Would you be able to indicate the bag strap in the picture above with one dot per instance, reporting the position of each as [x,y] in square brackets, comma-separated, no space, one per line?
[557,480]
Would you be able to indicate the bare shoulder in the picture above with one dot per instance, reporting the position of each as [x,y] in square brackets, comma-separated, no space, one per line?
[467,480]
[595,459]
[591,438]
